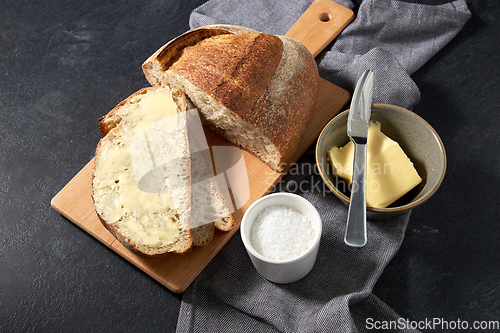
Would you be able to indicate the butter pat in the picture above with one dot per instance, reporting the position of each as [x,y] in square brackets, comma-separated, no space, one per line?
[389,173]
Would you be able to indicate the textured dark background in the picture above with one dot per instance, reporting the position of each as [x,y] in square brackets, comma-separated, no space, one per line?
[63,64]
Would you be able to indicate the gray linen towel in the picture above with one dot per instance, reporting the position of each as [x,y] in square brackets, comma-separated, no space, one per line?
[394,39]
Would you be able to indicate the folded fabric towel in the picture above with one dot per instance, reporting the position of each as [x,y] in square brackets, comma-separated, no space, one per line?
[394,39]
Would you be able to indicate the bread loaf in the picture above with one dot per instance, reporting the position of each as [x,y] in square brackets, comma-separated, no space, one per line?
[142,183]
[255,89]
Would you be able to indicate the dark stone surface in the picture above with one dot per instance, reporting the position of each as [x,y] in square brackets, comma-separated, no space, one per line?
[63,64]
[449,263]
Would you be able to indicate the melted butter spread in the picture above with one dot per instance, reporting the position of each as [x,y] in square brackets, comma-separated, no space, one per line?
[131,157]
[389,172]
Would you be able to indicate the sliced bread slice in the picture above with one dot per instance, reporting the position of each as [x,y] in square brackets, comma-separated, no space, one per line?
[141,177]
[209,206]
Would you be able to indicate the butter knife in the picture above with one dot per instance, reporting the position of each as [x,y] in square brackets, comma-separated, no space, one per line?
[357,130]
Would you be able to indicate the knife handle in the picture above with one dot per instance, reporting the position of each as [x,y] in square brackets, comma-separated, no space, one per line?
[318,26]
[355,234]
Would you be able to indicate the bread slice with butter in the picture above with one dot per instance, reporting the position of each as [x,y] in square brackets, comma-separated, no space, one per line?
[150,218]
[142,177]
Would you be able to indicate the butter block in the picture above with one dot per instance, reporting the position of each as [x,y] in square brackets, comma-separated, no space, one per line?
[389,174]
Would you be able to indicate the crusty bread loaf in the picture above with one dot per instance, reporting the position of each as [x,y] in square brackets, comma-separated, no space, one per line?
[151,218]
[254,89]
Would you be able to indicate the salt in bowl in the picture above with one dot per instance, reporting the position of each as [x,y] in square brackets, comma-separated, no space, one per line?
[282,270]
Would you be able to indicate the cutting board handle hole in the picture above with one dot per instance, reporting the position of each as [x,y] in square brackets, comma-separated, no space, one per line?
[324,17]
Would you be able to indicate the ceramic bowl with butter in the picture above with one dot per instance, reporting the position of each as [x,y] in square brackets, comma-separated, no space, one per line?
[417,140]
[281,233]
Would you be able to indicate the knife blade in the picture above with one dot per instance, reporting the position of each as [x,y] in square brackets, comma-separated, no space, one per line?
[357,130]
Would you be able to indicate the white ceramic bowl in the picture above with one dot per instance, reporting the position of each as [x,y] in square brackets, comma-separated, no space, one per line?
[282,271]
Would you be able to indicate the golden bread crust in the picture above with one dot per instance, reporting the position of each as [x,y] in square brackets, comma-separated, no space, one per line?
[269,82]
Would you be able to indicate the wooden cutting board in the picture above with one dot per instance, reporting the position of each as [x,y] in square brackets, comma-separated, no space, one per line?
[316,28]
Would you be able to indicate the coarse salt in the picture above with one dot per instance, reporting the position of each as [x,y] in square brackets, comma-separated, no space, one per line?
[281,233]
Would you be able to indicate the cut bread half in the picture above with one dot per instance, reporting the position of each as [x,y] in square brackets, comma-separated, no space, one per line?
[254,89]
